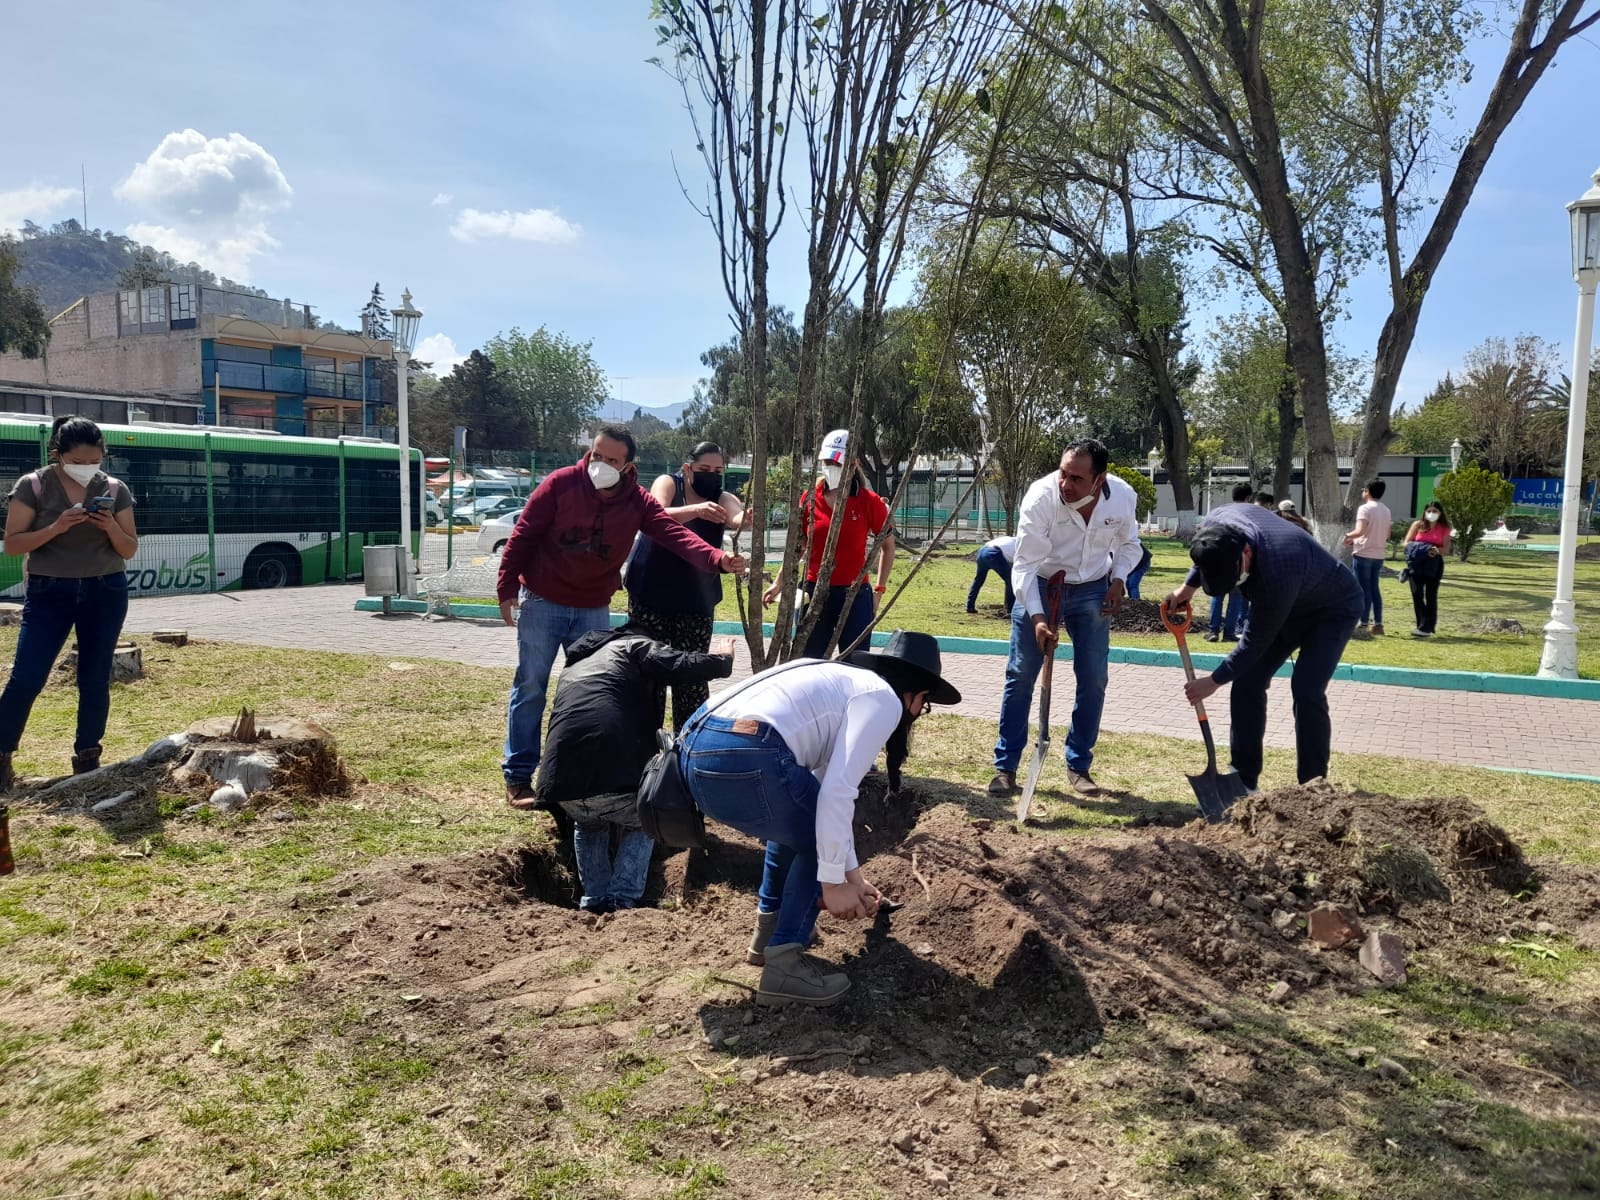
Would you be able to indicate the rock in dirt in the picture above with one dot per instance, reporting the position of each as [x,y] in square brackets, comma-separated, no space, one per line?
[1333,926]
[1384,954]
[552,1101]
[1587,936]
[938,1177]
[1032,1108]
[1278,992]
[1388,1069]
[113,803]
[904,1141]
[1025,1066]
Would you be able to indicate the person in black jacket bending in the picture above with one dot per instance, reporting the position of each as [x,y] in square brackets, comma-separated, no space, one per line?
[1301,599]
[609,703]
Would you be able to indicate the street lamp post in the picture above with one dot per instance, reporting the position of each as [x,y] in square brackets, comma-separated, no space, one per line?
[1455,456]
[1154,459]
[406,320]
[1560,657]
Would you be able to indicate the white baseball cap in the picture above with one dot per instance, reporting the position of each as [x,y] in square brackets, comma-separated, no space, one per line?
[833,447]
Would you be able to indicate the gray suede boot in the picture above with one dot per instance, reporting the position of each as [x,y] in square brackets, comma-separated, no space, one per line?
[791,978]
[765,924]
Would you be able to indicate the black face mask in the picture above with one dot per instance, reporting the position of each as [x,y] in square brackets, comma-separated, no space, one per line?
[706,484]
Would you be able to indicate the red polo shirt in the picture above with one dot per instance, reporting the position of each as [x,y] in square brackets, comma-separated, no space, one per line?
[865,515]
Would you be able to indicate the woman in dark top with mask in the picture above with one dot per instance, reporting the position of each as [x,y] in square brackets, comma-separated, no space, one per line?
[667,597]
[75,524]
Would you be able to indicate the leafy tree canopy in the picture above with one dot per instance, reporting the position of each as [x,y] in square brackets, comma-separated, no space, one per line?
[24,328]
[1474,499]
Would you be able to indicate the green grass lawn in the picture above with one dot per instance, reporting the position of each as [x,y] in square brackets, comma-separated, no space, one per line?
[1514,584]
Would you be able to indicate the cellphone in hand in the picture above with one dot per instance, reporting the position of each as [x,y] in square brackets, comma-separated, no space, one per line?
[103,503]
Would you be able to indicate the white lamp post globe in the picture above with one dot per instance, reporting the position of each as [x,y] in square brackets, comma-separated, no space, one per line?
[1455,455]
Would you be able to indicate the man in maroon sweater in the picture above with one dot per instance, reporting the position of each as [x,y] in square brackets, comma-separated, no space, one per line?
[563,563]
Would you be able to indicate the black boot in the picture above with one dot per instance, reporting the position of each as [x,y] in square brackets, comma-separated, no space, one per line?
[8,777]
[88,761]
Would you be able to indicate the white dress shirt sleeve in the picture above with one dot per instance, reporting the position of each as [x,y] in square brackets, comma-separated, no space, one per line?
[1033,544]
[869,720]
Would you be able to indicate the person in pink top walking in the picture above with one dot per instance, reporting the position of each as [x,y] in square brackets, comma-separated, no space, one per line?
[1370,541]
[1427,542]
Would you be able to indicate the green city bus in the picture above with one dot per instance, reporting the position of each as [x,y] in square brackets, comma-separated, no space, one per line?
[221,509]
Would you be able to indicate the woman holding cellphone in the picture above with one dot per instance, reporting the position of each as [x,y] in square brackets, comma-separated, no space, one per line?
[75,524]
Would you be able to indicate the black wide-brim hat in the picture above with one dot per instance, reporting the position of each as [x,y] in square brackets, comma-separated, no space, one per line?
[914,656]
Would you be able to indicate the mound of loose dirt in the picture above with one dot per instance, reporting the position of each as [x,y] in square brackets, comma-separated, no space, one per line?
[999,929]
[1589,550]
[1138,616]
[1009,950]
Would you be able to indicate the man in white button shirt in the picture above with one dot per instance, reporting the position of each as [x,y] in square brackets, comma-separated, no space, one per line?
[1080,520]
[781,758]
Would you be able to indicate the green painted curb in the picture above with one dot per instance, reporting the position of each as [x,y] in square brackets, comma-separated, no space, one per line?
[1413,677]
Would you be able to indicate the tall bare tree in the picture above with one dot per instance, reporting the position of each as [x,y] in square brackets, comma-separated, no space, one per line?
[877,90]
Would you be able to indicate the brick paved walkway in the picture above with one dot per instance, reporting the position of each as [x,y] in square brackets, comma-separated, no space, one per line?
[1467,728]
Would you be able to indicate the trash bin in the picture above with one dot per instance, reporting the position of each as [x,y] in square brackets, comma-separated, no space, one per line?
[382,567]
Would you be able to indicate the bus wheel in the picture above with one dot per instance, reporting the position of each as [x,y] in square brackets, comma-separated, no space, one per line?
[271,569]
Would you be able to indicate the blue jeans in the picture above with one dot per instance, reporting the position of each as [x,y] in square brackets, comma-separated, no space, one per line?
[990,559]
[833,604]
[609,883]
[1137,574]
[543,628]
[752,782]
[1237,610]
[1319,644]
[53,608]
[1090,634]
[1367,573]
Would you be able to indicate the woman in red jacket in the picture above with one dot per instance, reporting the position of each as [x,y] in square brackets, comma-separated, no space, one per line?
[866,515]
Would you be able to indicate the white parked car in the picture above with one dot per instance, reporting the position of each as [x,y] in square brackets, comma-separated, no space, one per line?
[496,532]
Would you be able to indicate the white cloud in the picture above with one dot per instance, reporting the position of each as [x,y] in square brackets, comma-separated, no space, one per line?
[191,175]
[32,203]
[530,225]
[229,255]
[440,350]
[442,199]
[212,197]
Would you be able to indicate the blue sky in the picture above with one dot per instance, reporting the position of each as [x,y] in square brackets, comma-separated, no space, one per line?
[513,164]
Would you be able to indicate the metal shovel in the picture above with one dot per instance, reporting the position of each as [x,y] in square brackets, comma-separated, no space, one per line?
[1215,790]
[1041,750]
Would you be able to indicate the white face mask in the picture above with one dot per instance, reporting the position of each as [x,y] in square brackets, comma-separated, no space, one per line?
[833,473]
[81,474]
[1081,503]
[1433,516]
[603,475]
